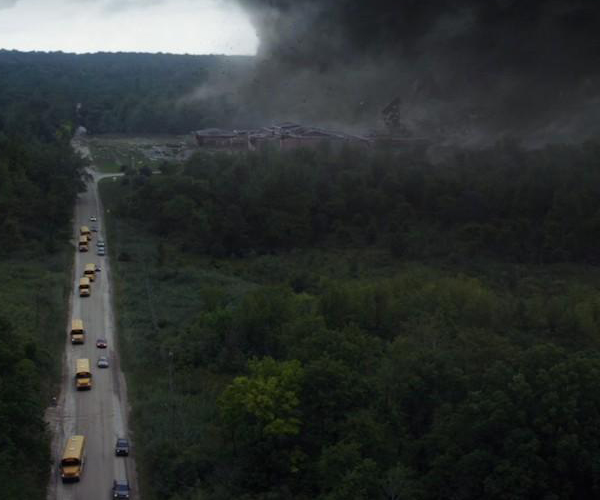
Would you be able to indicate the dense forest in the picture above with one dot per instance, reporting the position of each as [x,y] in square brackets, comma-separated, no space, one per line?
[40,177]
[351,324]
[503,202]
[115,93]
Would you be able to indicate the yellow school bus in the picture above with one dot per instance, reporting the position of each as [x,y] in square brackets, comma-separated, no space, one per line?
[85,231]
[71,465]
[77,332]
[84,287]
[90,271]
[83,375]
[83,244]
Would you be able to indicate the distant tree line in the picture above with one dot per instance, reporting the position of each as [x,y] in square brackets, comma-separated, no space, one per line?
[115,93]
[39,182]
[503,202]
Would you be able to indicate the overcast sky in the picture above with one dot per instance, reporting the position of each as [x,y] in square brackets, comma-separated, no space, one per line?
[175,26]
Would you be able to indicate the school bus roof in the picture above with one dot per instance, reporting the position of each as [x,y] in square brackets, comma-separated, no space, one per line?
[83,239]
[84,281]
[90,267]
[74,448]
[84,230]
[76,324]
[83,366]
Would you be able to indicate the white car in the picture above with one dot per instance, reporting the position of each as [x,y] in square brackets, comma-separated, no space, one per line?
[93,218]
[102,362]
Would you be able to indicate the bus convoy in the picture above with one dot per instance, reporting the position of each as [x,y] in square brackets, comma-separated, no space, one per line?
[73,458]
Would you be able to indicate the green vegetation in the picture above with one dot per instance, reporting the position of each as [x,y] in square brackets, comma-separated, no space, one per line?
[351,325]
[39,181]
[502,203]
[114,93]
[38,185]
[34,295]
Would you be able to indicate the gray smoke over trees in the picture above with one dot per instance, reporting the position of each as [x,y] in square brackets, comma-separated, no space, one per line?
[465,69]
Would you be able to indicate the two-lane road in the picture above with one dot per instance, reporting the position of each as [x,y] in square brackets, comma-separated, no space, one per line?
[101,413]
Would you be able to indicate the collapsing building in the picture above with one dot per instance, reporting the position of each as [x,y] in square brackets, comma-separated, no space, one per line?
[216,138]
[283,136]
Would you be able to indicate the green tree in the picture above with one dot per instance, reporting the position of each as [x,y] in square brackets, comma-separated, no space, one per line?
[264,403]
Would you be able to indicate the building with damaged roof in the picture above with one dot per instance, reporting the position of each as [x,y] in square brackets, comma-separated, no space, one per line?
[221,139]
[283,136]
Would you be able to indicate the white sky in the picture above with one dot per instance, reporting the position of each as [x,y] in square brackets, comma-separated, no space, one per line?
[175,26]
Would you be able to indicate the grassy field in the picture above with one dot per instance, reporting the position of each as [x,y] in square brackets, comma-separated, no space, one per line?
[110,153]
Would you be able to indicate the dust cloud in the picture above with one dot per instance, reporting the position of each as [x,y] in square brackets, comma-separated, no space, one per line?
[461,70]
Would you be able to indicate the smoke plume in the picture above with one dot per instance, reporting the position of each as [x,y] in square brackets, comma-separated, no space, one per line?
[465,69]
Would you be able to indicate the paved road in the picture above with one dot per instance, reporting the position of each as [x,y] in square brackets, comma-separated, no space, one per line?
[101,413]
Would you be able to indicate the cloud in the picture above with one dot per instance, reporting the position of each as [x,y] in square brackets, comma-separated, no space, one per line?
[7,4]
[168,26]
[115,6]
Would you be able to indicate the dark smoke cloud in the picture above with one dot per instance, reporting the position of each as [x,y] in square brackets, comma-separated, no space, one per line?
[468,69]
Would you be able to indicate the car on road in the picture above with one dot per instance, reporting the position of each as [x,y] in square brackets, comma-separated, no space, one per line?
[120,489]
[100,242]
[93,218]
[122,447]
[101,343]
[98,268]
[94,228]
[101,252]
[102,362]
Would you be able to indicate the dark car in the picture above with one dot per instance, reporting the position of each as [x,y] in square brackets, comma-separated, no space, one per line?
[122,447]
[101,343]
[120,489]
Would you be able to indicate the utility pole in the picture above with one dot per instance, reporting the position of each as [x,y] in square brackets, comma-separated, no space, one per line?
[171,398]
